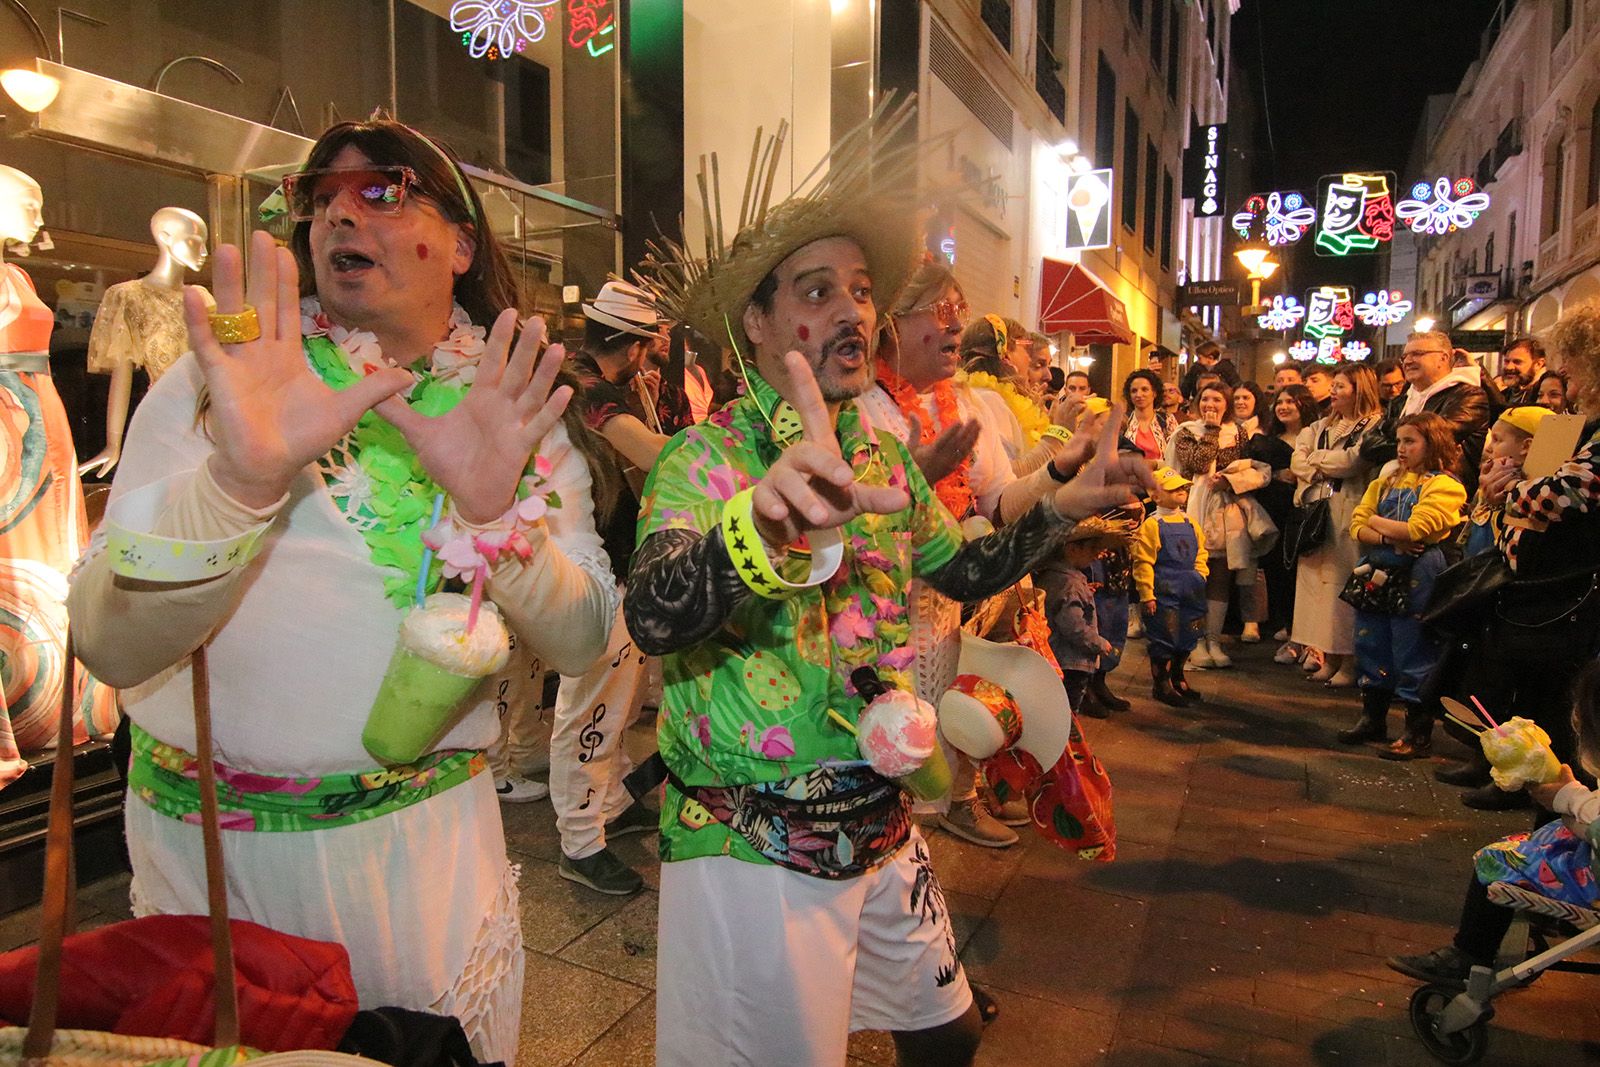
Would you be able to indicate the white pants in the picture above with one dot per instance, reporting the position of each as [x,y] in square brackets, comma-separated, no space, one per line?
[587,762]
[524,722]
[759,965]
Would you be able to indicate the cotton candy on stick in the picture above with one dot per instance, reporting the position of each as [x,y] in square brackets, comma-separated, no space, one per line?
[1519,754]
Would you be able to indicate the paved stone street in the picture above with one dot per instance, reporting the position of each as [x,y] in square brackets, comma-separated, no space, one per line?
[1261,878]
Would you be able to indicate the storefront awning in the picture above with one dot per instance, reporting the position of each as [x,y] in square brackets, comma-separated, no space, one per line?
[1071,298]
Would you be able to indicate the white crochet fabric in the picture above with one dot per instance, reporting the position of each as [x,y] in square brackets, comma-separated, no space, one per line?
[487,996]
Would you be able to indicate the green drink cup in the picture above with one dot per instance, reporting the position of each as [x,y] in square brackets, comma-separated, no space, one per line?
[417,704]
[930,781]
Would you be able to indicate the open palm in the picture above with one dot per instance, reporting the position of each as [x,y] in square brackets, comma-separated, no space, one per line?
[478,450]
[270,415]
[811,487]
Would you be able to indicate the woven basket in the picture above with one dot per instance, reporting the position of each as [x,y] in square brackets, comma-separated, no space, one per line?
[93,1048]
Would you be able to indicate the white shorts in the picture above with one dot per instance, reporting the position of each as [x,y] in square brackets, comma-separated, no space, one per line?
[760,965]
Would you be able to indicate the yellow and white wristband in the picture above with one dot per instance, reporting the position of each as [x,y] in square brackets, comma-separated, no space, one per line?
[134,553]
[1060,433]
[749,553]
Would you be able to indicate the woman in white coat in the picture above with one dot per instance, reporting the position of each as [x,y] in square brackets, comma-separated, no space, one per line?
[1327,465]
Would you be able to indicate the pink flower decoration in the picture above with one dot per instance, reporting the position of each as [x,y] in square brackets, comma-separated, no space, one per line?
[850,627]
[702,730]
[899,659]
[775,743]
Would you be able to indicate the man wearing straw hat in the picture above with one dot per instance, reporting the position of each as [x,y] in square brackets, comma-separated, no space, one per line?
[623,331]
[777,541]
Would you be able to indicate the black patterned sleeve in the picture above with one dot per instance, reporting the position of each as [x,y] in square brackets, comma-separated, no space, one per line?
[986,565]
[681,589]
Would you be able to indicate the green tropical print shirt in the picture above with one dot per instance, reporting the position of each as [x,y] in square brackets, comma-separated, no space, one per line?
[750,704]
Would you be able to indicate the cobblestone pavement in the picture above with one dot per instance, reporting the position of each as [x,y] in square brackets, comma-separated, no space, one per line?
[1263,874]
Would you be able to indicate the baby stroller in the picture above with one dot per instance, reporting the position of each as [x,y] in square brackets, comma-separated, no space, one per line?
[1454,1025]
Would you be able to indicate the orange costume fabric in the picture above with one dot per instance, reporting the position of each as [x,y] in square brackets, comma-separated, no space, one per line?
[43,530]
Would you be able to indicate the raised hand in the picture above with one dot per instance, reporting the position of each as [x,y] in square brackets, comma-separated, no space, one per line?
[944,453]
[270,415]
[1066,409]
[811,487]
[478,450]
[1111,479]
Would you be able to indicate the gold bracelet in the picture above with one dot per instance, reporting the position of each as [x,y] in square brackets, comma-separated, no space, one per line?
[1060,433]
[749,554]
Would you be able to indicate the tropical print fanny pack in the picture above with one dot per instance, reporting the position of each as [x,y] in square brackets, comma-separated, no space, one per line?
[831,822]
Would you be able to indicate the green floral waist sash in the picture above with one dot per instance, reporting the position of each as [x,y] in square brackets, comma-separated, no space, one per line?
[166,778]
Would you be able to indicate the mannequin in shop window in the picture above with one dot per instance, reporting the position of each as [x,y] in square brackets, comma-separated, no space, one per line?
[43,527]
[140,323]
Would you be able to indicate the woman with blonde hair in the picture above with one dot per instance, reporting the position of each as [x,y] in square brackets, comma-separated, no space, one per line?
[1328,466]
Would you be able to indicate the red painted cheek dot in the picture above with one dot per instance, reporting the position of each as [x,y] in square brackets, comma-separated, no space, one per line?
[804,332]
[422,251]
[927,338]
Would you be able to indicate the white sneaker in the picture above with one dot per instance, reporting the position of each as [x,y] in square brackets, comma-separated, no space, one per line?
[1281,635]
[1288,652]
[1135,626]
[515,789]
[1219,658]
[1251,634]
[1199,659]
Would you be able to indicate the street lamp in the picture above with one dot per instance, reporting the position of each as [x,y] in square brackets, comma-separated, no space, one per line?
[1424,324]
[1256,258]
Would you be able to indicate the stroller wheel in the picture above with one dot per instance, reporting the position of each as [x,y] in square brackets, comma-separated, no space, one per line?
[1462,1047]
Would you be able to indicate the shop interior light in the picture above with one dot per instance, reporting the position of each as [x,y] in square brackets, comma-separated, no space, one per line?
[31,90]
[1279,358]
[1068,148]
[1424,324]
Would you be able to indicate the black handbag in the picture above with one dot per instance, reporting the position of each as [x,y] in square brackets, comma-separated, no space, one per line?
[1547,620]
[1379,590]
[1464,592]
[1306,529]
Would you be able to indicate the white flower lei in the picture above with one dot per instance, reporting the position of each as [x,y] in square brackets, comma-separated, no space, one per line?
[454,359]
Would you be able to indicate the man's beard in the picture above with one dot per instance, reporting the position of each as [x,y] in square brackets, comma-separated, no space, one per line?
[832,392]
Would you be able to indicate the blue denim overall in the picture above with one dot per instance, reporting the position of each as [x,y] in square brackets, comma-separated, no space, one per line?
[1180,616]
[1393,652]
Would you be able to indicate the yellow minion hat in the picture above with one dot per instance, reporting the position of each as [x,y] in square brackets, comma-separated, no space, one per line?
[1526,419]
[1171,480]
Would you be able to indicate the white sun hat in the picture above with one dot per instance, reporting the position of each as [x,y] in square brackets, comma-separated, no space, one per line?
[627,308]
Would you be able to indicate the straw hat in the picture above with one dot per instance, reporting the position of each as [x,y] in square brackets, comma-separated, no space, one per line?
[864,189]
[1005,695]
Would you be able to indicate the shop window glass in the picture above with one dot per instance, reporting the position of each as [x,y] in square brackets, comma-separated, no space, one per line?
[1593,195]
[1130,168]
[1150,165]
[1105,115]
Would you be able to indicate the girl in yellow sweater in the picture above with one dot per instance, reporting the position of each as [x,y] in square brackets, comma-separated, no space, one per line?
[1400,523]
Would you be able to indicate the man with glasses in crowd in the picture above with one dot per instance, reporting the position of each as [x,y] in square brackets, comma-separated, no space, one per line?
[1435,384]
[1391,380]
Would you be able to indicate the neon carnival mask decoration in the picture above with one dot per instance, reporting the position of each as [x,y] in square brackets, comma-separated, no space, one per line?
[1329,312]
[1444,207]
[1357,213]
[1328,350]
[1284,217]
[1284,313]
[1303,350]
[1383,308]
[498,29]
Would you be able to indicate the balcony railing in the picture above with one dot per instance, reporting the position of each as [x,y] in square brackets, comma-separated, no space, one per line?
[1048,82]
[996,15]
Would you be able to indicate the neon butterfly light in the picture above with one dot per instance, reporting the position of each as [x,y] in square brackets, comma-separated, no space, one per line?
[498,29]
[1284,313]
[1285,217]
[1356,351]
[1443,207]
[1303,350]
[1383,308]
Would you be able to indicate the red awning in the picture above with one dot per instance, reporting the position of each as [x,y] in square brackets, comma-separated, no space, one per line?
[1071,298]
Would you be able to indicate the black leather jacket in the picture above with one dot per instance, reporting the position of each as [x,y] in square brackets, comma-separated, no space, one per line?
[1465,407]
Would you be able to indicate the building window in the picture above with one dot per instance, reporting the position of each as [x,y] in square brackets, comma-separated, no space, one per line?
[1486,169]
[1046,80]
[1105,115]
[1555,183]
[1211,25]
[996,15]
[1173,25]
[1563,18]
[1136,7]
[1511,243]
[1488,255]
[1593,196]
[1151,163]
[1130,168]
[1166,220]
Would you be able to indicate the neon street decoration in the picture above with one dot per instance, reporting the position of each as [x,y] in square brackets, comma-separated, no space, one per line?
[1284,218]
[1443,207]
[1357,213]
[498,29]
[1357,351]
[1329,312]
[1303,350]
[1383,308]
[1328,350]
[587,28]
[1284,313]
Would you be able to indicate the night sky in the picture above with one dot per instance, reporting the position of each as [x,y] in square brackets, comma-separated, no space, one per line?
[1341,83]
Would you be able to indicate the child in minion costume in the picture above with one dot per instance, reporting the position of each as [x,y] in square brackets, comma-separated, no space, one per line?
[1169,572]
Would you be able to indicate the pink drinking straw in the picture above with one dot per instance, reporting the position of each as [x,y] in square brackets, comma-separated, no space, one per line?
[477,596]
[1481,711]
